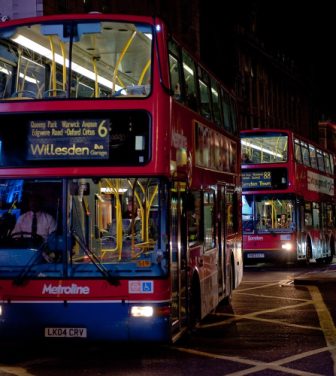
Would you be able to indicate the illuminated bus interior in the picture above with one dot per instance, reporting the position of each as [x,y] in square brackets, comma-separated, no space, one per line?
[193,86]
[311,156]
[105,227]
[268,214]
[265,148]
[69,59]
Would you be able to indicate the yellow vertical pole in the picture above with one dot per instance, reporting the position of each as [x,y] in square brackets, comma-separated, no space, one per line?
[53,64]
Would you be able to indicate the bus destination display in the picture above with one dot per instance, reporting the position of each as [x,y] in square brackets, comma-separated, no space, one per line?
[256,179]
[63,139]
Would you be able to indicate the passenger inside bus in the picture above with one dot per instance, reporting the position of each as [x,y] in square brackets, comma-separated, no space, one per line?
[283,223]
[136,228]
[246,158]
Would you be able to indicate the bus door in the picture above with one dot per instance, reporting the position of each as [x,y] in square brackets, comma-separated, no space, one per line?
[300,229]
[178,251]
[221,240]
[228,230]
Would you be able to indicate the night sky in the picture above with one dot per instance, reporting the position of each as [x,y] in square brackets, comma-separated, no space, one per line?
[303,32]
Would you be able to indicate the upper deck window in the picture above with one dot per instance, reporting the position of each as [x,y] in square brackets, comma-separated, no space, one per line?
[75,60]
[305,154]
[320,160]
[216,102]
[327,163]
[265,148]
[312,155]
[189,80]
[203,85]
[297,151]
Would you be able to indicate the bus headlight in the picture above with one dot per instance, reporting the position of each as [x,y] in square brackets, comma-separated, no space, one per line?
[142,311]
[0,310]
[287,246]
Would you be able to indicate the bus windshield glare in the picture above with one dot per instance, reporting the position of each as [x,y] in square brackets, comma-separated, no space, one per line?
[75,60]
[86,227]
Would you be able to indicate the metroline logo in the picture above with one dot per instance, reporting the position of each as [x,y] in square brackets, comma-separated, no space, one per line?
[67,290]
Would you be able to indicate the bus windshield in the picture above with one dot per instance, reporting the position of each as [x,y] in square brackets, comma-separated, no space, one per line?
[264,148]
[265,213]
[69,59]
[85,227]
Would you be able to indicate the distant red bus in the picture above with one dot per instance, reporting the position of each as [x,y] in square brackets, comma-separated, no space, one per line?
[132,146]
[288,198]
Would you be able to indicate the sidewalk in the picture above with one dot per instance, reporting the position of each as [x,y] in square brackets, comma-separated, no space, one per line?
[328,275]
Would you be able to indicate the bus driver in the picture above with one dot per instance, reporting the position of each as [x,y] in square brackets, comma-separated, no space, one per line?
[35,221]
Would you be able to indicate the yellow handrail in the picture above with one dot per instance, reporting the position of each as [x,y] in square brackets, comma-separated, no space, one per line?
[94,63]
[115,73]
[18,69]
[64,66]
[53,64]
[119,236]
[144,72]
[148,206]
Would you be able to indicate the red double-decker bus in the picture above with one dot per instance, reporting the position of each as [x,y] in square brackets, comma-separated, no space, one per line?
[131,146]
[288,197]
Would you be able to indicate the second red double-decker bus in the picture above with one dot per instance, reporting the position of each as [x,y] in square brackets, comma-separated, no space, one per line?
[131,145]
[288,197]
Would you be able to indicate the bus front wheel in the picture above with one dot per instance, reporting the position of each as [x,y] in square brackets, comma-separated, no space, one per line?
[195,304]
[330,258]
[309,251]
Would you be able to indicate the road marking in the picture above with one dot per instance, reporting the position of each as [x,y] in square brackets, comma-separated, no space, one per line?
[259,287]
[253,316]
[271,296]
[326,326]
[259,365]
[326,321]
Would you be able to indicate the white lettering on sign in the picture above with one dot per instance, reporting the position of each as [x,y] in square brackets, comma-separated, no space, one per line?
[320,183]
[256,237]
[73,289]
[66,332]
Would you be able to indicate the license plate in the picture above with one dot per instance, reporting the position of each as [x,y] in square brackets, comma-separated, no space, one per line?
[65,332]
[255,255]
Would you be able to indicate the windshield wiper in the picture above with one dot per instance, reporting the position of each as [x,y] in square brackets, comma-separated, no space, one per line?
[95,260]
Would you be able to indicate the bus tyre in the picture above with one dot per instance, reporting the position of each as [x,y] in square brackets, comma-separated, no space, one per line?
[329,259]
[195,304]
[230,279]
[309,251]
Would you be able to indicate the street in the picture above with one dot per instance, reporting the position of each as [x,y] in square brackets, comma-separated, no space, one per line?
[273,327]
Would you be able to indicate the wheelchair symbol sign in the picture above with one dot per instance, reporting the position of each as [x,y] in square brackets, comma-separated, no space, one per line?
[147,287]
[140,287]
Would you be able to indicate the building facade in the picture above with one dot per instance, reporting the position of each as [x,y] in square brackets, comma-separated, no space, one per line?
[270,91]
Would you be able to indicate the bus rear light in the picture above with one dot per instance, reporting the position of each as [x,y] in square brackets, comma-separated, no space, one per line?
[287,246]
